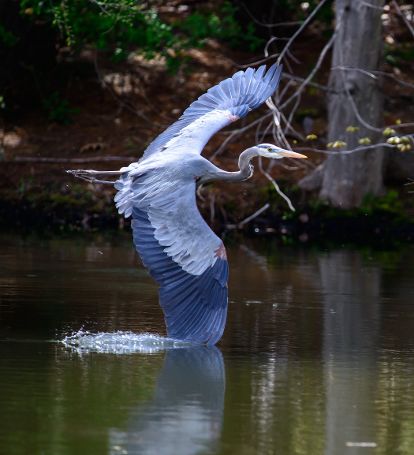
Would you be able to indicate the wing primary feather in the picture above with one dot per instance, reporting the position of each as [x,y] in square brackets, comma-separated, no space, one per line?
[251,87]
[192,304]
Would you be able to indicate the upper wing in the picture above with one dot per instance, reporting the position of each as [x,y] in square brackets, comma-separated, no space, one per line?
[224,103]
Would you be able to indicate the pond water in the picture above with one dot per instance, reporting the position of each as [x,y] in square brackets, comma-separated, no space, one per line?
[317,356]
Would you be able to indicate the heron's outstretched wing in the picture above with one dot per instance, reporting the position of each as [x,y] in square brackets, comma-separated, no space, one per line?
[224,103]
[183,255]
[181,252]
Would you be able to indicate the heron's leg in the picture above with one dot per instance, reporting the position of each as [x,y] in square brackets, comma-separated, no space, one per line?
[90,175]
[92,172]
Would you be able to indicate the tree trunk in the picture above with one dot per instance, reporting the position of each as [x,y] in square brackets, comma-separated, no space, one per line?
[356,100]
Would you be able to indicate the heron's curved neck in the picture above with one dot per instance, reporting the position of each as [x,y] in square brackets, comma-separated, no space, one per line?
[246,170]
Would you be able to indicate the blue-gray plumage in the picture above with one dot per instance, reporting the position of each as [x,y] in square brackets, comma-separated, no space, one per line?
[194,306]
[241,93]
[174,242]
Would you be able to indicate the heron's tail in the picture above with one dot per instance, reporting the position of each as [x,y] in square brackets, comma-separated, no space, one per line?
[124,196]
[138,186]
[131,192]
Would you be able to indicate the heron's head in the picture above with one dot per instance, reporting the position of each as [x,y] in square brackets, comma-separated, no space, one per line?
[272,151]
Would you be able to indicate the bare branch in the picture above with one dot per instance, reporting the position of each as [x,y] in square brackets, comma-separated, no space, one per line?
[346,152]
[263,24]
[351,100]
[294,78]
[276,186]
[373,74]
[235,133]
[370,5]
[401,14]
[300,29]
[249,218]
[321,57]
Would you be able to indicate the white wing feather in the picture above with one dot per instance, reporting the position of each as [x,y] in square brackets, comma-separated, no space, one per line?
[162,183]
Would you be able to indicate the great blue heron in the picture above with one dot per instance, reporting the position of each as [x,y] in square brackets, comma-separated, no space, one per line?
[174,242]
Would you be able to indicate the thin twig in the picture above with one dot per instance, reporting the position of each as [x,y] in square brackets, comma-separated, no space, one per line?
[321,57]
[275,185]
[294,78]
[249,218]
[401,14]
[349,96]
[263,24]
[235,133]
[373,74]
[300,29]
[346,152]
[370,5]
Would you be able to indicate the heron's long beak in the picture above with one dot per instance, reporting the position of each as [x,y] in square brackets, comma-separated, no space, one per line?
[289,154]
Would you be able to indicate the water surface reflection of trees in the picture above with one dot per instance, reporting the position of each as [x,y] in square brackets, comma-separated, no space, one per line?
[318,352]
[332,344]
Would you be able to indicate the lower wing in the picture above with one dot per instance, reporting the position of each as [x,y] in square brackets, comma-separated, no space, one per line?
[181,252]
[195,306]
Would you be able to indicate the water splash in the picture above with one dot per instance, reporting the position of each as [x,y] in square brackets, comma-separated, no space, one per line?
[120,342]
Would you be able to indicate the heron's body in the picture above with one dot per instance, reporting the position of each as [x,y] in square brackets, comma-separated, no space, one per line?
[174,242]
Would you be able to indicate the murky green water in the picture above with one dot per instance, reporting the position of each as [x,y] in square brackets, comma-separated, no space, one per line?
[317,357]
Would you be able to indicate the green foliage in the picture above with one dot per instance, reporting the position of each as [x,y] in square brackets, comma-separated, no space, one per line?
[390,203]
[397,56]
[125,24]
[306,112]
[58,109]
[223,25]
[103,23]
[7,38]
[2,102]
[389,259]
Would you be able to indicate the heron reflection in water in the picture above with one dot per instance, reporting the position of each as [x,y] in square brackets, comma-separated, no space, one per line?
[186,413]
[174,242]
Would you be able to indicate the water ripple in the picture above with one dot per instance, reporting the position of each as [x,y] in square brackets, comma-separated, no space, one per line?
[120,342]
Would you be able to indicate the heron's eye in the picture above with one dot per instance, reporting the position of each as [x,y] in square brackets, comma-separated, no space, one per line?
[269,149]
